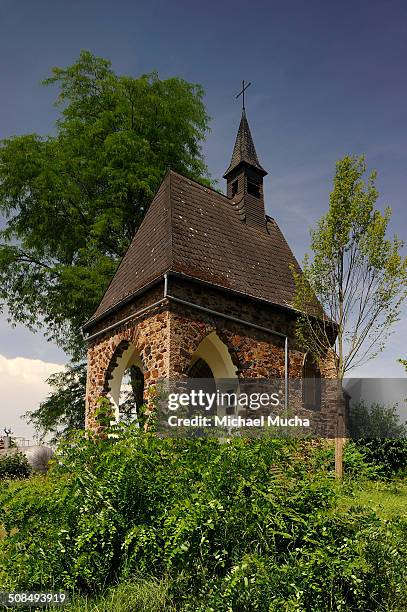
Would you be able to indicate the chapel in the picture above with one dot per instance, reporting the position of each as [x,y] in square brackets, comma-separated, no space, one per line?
[205,290]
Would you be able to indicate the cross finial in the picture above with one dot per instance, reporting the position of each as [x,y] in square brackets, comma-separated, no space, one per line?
[241,93]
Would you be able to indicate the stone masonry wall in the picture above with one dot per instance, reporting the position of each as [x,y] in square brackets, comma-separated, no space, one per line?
[167,337]
[150,336]
[256,354]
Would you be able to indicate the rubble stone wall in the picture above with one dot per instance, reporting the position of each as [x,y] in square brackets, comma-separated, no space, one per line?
[167,336]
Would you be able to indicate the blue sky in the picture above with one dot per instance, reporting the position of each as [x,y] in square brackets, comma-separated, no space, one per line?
[329,78]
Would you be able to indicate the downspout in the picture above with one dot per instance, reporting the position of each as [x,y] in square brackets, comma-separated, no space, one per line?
[165,284]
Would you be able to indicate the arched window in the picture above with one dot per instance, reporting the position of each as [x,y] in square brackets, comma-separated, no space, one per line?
[311,384]
[124,382]
[131,393]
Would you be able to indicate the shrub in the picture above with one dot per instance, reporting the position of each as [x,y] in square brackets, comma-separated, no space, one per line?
[375,421]
[380,437]
[245,525]
[14,466]
[389,456]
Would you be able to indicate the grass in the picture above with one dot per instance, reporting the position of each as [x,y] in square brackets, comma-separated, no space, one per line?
[136,596]
[387,499]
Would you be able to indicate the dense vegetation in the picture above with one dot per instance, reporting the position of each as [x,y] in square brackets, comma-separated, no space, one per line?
[14,466]
[142,523]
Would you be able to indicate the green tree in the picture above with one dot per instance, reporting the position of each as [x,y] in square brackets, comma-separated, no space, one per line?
[350,293]
[356,273]
[73,200]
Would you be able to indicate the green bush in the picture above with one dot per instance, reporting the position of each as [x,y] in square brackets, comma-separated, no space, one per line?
[380,436]
[375,421]
[241,526]
[14,466]
[389,456]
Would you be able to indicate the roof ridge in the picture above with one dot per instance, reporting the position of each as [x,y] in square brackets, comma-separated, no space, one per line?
[188,178]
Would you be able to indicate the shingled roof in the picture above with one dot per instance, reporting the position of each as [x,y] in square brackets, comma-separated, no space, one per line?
[194,230]
[244,150]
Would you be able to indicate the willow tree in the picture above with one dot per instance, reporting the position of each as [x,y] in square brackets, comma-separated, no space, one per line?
[356,272]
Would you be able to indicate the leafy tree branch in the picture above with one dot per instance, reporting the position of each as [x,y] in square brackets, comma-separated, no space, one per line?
[73,200]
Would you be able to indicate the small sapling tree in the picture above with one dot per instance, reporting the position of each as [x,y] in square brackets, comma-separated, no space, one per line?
[356,272]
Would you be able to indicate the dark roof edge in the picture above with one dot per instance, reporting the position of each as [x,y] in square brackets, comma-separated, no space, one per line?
[244,162]
[170,173]
[123,302]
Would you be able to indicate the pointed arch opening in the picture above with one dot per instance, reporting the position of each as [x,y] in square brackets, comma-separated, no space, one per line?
[212,351]
[125,382]
[212,370]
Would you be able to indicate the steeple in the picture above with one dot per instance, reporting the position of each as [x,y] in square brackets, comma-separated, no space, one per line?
[244,150]
[245,175]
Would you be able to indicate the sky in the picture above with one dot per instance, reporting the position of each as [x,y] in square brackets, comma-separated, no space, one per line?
[328,78]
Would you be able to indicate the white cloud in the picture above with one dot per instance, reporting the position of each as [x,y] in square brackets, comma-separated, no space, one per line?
[22,387]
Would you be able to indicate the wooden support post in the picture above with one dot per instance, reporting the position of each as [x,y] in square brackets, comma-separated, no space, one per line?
[339,457]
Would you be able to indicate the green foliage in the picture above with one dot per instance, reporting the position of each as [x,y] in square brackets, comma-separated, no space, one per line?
[357,274]
[245,525]
[379,435]
[403,363]
[74,200]
[389,455]
[355,464]
[104,413]
[64,408]
[14,466]
[386,497]
[375,421]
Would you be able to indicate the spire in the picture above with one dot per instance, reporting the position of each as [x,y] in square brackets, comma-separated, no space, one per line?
[244,151]
[244,177]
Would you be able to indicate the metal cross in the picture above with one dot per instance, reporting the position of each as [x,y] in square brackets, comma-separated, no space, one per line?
[241,93]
